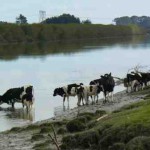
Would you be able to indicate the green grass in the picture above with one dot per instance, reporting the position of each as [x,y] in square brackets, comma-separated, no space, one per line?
[117,130]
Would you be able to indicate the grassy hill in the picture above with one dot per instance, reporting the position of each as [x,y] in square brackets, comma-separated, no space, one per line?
[124,129]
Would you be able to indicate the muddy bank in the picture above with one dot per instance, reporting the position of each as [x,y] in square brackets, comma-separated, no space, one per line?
[35,136]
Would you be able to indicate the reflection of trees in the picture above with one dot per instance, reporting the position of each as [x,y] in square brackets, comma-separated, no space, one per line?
[13,51]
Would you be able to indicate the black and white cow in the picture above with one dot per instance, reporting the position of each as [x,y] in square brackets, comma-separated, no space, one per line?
[145,77]
[107,84]
[97,82]
[67,91]
[86,91]
[142,78]
[131,78]
[21,94]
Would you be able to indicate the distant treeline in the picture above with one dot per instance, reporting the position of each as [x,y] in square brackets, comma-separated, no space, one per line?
[143,21]
[62,32]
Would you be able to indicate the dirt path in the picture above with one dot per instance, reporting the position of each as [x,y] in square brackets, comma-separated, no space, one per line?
[16,140]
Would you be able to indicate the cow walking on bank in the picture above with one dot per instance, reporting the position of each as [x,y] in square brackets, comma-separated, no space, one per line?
[97,82]
[67,91]
[140,78]
[107,84]
[86,91]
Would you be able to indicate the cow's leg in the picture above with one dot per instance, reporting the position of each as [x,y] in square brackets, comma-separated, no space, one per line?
[97,99]
[68,100]
[82,100]
[112,96]
[94,98]
[13,104]
[23,103]
[104,94]
[64,100]
[86,99]
[79,100]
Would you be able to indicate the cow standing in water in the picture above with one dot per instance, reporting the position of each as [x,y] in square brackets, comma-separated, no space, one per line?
[67,91]
[107,84]
[20,95]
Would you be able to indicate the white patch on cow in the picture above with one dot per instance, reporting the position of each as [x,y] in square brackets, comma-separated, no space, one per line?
[28,104]
[140,74]
[132,73]
[73,91]
[87,92]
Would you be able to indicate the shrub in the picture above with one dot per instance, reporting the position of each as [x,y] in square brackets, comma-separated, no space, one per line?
[76,125]
[139,143]
[61,130]
[117,146]
[83,140]
[37,137]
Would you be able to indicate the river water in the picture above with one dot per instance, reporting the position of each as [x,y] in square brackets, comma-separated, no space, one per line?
[50,65]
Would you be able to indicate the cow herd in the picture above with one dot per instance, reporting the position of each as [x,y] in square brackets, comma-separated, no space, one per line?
[105,84]
[136,80]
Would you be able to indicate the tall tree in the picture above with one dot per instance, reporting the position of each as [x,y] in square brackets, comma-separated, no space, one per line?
[87,21]
[62,19]
[21,19]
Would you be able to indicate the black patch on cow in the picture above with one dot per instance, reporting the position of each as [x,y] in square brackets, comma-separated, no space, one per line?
[27,97]
[96,81]
[59,91]
[91,88]
[108,83]
[12,95]
[70,86]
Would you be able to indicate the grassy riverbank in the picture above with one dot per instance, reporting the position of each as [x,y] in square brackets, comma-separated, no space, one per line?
[122,125]
[40,32]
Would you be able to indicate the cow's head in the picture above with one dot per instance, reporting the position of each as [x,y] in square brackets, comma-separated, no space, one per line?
[81,84]
[28,89]
[58,91]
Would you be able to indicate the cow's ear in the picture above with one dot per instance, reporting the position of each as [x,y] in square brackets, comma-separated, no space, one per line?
[102,76]
[110,74]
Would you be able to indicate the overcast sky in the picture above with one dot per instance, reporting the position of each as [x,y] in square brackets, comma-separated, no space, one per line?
[98,11]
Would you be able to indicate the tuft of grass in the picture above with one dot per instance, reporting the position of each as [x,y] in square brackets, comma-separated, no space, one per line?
[45,130]
[42,146]
[32,127]
[37,137]
[61,130]
[15,129]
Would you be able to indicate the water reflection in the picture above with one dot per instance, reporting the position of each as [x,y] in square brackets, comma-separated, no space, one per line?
[59,110]
[14,51]
[19,113]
